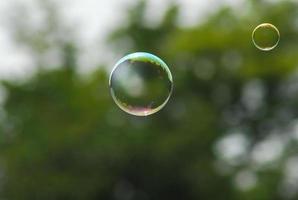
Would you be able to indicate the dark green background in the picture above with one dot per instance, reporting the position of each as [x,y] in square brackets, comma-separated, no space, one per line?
[62,136]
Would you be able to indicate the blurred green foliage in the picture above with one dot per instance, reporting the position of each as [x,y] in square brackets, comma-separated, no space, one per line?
[62,136]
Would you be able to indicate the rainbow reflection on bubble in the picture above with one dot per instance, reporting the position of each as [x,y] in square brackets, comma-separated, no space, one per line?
[141,84]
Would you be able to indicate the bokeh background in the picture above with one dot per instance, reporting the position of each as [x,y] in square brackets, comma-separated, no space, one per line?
[230,130]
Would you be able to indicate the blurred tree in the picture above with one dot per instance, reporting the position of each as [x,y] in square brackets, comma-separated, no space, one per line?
[42,30]
[229,131]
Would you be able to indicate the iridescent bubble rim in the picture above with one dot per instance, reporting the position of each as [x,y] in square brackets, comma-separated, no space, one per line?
[142,57]
[266,25]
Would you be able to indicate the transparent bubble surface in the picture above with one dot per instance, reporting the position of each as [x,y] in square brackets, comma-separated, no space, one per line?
[265,37]
[141,84]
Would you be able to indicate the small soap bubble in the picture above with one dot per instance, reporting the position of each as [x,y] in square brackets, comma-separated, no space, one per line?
[141,84]
[265,37]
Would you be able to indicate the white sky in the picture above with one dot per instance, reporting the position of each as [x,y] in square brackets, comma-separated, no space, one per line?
[95,19]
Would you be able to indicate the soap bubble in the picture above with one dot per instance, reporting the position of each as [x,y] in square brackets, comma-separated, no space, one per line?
[265,37]
[141,84]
